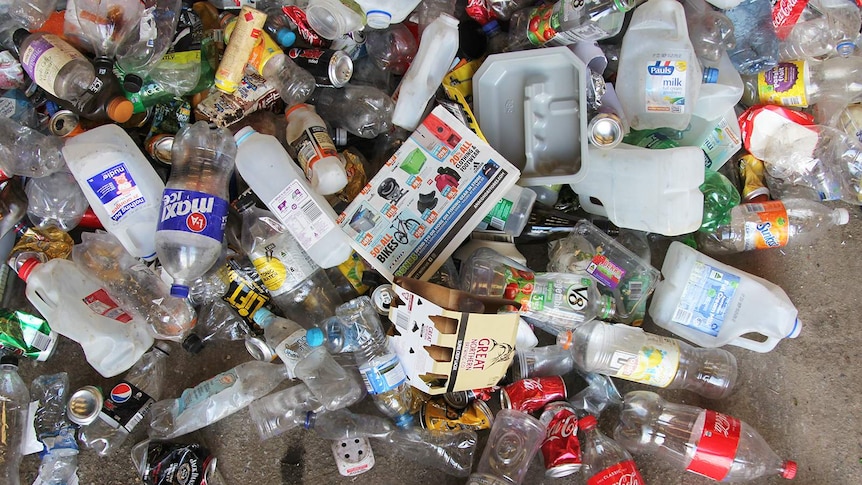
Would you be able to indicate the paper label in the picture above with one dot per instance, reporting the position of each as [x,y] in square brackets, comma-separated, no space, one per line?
[498,216]
[519,285]
[666,82]
[625,473]
[45,57]
[293,349]
[301,214]
[117,191]
[25,334]
[100,303]
[784,84]
[772,230]
[717,446]
[282,271]
[206,389]
[125,406]
[313,145]
[655,363]
[706,299]
[194,212]
[383,377]
[605,271]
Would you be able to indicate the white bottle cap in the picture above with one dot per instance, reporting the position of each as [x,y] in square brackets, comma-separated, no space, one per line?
[378,19]
[328,176]
[843,216]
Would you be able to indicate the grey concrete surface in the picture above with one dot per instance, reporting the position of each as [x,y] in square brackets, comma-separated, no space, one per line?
[804,397]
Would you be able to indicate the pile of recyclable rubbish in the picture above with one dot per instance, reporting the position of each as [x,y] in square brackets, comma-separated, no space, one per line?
[340,185]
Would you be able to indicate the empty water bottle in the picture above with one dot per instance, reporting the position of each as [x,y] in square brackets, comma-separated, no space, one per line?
[14,402]
[55,431]
[364,111]
[283,410]
[55,200]
[26,152]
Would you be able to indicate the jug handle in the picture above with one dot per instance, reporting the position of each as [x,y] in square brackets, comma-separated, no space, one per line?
[588,205]
[751,344]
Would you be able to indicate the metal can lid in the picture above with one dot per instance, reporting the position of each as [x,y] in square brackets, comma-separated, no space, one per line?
[563,470]
[259,349]
[505,402]
[382,298]
[340,69]
[459,399]
[64,123]
[84,405]
[605,130]
[483,408]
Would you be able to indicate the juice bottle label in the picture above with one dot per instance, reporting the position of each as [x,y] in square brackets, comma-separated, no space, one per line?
[605,271]
[117,191]
[772,230]
[666,83]
[717,446]
[206,389]
[100,303]
[194,212]
[543,24]
[380,378]
[519,285]
[706,299]
[655,363]
[301,214]
[784,84]
[43,59]
[625,473]
[563,299]
[126,406]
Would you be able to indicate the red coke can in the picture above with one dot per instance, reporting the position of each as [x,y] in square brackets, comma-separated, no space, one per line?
[530,395]
[561,448]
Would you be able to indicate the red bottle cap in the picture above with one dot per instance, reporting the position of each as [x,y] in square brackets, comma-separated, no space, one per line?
[589,422]
[789,470]
[27,268]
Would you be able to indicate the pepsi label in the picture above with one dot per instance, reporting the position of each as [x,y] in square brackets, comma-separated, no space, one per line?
[125,406]
[194,212]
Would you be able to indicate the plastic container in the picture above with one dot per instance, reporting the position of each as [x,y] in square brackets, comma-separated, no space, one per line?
[659,77]
[310,140]
[713,304]
[123,189]
[333,18]
[54,64]
[512,212]
[719,138]
[716,99]
[380,14]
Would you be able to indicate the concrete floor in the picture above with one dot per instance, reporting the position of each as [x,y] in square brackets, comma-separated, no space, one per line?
[804,397]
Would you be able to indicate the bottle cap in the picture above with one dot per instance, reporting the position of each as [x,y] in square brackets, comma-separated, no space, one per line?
[378,19]
[18,36]
[710,75]
[120,109]
[285,37]
[843,216]
[314,336]
[845,49]
[259,349]
[566,339]
[789,470]
[404,421]
[292,108]
[262,317]
[193,344]
[9,360]
[179,291]
[491,27]
[132,83]
[241,135]
[27,268]
[588,422]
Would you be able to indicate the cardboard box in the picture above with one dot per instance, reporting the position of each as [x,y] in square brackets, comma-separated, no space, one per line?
[449,340]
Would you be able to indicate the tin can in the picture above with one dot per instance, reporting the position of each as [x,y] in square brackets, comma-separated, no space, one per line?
[167,463]
[529,395]
[329,67]
[65,123]
[382,298]
[459,399]
[160,146]
[438,414]
[84,405]
[561,448]
[605,130]
[259,349]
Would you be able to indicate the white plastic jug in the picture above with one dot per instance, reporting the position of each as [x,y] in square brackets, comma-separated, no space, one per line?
[77,307]
[121,186]
[659,77]
[643,189]
[715,99]
[380,14]
[712,304]
[719,138]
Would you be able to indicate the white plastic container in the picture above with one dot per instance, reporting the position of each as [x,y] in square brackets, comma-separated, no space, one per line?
[512,212]
[379,14]
[719,138]
[279,182]
[713,304]
[659,76]
[715,99]
[333,18]
[121,186]
[77,307]
[309,138]
[437,49]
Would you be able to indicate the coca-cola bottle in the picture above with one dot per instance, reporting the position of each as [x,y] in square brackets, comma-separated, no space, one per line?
[606,462]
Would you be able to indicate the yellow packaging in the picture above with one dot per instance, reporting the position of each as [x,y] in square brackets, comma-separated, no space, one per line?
[265,49]
[246,34]
[784,84]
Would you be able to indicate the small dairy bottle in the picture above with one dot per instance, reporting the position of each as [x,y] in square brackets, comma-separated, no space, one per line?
[309,138]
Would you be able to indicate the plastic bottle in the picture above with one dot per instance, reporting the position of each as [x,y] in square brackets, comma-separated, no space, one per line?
[437,48]
[710,31]
[805,82]
[822,28]
[270,172]
[26,152]
[103,26]
[14,403]
[279,26]
[512,212]
[430,10]
[630,353]
[334,18]
[194,205]
[32,13]
[54,430]
[55,200]
[309,138]
[103,101]
[698,440]
[514,441]
[54,64]
[77,307]
[659,78]
[550,360]
[382,373]
[122,187]
[567,22]
[13,205]
[380,14]
[283,410]
[364,111]
[756,47]
[121,415]
[214,399]
[392,49]
[503,9]
[605,461]
[139,54]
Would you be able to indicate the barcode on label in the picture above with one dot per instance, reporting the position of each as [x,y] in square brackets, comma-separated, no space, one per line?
[311,210]
[681,315]
[636,289]
[791,101]
[752,207]
[39,340]
[497,223]
[402,319]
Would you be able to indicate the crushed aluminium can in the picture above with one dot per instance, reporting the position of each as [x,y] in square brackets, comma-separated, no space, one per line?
[438,414]
[531,394]
[561,448]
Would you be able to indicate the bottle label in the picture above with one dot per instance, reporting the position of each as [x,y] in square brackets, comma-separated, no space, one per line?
[666,83]
[560,300]
[383,377]
[206,389]
[655,363]
[499,215]
[706,298]
[771,231]
[588,31]
[117,191]
[282,271]
[784,84]
[245,293]
[625,473]
[785,15]
[717,446]
[100,303]
[126,406]
[519,285]
[605,271]
[45,57]
[313,145]
[194,212]
[543,24]
[301,214]
[721,144]
[25,334]
[292,349]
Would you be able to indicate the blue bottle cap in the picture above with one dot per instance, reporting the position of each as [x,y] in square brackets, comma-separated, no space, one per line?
[262,316]
[180,291]
[710,75]
[404,420]
[285,37]
[491,27]
[314,336]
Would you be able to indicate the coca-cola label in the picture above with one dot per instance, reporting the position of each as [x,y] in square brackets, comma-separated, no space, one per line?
[297,16]
[717,446]
[785,14]
[102,304]
[625,473]
[126,406]
[478,10]
[194,212]
[530,395]
[561,446]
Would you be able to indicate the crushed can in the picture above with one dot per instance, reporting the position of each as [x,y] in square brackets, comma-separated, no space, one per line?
[530,395]
[168,463]
[561,448]
[438,414]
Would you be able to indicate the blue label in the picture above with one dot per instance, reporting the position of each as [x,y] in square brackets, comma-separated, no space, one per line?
[195,212]
[384,377]
[660,70]
[705,299]
[117,191]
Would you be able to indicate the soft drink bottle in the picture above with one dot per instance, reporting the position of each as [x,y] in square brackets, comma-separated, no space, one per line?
[805,82]
[822,28]
[514,441]
[194,205]
[698,440]
[756,47]
[567,22]
[55,200]
[14,403]
[632,354]
[606,462]
[121,413]
[391,49]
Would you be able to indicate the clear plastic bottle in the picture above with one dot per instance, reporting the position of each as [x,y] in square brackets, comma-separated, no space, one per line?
[514,441]
[430,10]
[512,212]
[214,399]
[14,404]
[26,152]
[382,373]
[13,205]
[550,360]
[334,18]
[605,461]
[139,54]
[121,414]
[567,22]
[756,47]
[503,9]
[824,28]
[54,64]
[294,84]
[310,140]
[805,82]
[364,111]
[194,204]
[630,353]
[343,424]
[283,410]
[55,431]
[710,31]
[392,49]
[55,200]
[698,440]
[103,26]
